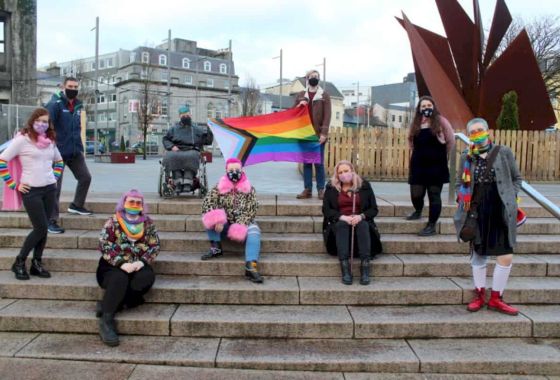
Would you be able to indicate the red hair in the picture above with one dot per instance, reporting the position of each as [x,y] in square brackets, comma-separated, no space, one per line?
[30,131]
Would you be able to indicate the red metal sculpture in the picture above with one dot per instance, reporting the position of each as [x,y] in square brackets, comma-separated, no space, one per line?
[466,80]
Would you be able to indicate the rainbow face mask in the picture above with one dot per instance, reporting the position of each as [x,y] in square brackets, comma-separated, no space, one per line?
[133,208]
[479,138]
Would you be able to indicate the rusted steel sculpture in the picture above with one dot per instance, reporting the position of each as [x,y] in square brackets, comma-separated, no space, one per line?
[466,80]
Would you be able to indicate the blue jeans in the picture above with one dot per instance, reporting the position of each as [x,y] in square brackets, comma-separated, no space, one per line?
[319,173]
[252,244]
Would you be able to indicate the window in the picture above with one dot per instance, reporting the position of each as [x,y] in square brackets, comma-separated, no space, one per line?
[338,116]
[164,107]
[145,57]
[186,63]
[211,110]
[210,82]
[113,97]
[226,84]
[162,60]
[2,42]
[110,62]
[392,117]
[133,56]
[101,63]
[207,66]
[101,80]
[102,116]
[144,73]
[164,76]
[223,68]
[112,116]
[218,114]
[400,119]
[93,66]
[101,98]
[188,79]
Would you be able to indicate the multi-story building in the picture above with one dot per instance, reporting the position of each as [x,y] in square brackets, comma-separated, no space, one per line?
[163,78]
[394,103]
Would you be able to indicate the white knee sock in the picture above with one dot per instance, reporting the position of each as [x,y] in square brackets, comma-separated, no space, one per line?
[500,278]
[479,276]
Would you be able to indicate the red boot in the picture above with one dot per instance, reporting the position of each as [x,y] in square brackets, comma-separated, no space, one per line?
[478,301]
[496,303]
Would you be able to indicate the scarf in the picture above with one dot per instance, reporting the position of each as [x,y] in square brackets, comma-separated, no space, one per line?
[43,141]
[134,229]
[465,195]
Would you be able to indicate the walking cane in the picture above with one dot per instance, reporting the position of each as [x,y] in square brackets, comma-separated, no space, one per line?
[353,227]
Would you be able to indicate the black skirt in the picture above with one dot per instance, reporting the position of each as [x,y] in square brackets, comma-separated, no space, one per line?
[428,163]
[493,228]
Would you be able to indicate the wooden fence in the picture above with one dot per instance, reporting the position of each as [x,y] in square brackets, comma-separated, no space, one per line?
[382,154]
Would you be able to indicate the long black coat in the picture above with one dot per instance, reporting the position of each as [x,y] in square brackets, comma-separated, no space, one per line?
[331,214]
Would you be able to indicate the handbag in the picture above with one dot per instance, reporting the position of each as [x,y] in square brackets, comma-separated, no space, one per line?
[470,227]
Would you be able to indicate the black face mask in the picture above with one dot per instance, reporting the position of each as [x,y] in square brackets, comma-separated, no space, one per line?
[313,81]
[234,175]
[186,120]
[427,112]
[70,94]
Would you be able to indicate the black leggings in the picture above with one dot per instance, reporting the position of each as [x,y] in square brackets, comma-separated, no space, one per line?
[363,239]
[123,288]
[417,193]
[39,203]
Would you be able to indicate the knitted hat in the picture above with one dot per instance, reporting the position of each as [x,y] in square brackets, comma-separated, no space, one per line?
[233,160]
[184,109]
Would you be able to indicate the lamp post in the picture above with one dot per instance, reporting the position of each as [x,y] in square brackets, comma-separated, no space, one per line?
[281,79]
[95,150]
[324,64]
[357,103]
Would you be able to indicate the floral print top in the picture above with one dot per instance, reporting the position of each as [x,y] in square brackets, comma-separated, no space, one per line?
[117,249]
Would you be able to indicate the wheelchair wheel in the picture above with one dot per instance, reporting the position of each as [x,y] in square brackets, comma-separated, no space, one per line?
[166,184]
[161,180]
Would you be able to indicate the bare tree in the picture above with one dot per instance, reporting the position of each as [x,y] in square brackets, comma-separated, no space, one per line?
[250,98]
[544,34]
[149,107]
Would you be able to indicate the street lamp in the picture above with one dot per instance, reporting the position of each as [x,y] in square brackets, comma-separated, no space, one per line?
[324,64]
[357,103]
[281,79]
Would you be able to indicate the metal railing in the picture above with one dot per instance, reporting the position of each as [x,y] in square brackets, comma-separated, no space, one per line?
[527,188]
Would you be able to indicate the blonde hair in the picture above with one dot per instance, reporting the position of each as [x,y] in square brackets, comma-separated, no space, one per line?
[356,179]
[311,72]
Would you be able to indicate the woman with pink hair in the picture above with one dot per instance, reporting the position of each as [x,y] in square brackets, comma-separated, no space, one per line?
[229,210]
[129,243]
[350,204]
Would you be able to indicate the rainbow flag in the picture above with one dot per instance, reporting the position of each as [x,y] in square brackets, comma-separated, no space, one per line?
[281,136]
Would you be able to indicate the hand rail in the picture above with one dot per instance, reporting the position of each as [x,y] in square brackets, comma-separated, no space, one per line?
[527,188]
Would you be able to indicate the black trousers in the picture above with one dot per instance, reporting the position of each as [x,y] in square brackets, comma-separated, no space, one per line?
[417,193]
[39,203]
[123,288]
[78,167]
[343,232]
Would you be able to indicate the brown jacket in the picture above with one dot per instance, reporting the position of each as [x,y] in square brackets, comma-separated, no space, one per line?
[321,109]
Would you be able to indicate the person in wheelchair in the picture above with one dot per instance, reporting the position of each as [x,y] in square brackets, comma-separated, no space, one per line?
[183,143]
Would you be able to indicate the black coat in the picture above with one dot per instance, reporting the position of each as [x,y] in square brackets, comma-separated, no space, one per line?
[187,137]
[331,214]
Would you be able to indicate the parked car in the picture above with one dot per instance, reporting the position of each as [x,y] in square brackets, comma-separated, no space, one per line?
[152,147]
[90,147]
[552,129]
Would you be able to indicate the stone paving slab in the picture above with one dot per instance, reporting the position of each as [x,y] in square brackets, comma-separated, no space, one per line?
[39,369]
[247,321]
[149,372]
[533,226]
[79,316]
[199,352]
[546,320]
[553,264]
[12,342]
[381,291]
[459,265]
[5,302]
[496,356]
[318,355]
[14,237]
[525,290]
[443,321]
[436,376]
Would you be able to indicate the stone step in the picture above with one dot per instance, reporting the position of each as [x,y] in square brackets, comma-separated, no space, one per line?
[293,321]
[286,290]
[295,264]
[506,356]
[284,243]
[274,224]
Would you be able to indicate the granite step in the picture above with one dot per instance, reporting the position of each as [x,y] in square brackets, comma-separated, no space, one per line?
[295,264]
[285,243]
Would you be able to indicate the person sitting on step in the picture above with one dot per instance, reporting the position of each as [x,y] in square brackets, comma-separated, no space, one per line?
[349,203]
[488,184]
[129,243]
[229,209]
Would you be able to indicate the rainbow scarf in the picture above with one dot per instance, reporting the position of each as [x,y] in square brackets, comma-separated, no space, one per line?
[465,195]
[132,229]
[280,136]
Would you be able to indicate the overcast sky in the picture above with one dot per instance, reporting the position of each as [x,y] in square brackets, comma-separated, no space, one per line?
[360,39]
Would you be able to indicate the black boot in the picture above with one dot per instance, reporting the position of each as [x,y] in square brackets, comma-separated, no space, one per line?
[37,269]
[429,230]
[414,215]
[214,251]
[364,272]
[98,309]
[346,275]
[19,269]
[251,272]
[107,329]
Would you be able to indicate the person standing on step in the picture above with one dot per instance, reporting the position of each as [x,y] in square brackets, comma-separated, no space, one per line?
[491,180]
[318,102]
[65,109]
[350,204]
[431,140]
[229,210]
[41,165]
[129,244]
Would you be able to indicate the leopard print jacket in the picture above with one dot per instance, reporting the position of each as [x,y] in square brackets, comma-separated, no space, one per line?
[240,207]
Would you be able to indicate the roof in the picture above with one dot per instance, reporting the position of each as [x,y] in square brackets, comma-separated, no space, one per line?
[329,87]
[287,101]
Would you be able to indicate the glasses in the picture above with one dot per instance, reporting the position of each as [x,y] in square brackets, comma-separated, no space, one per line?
[134,203]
